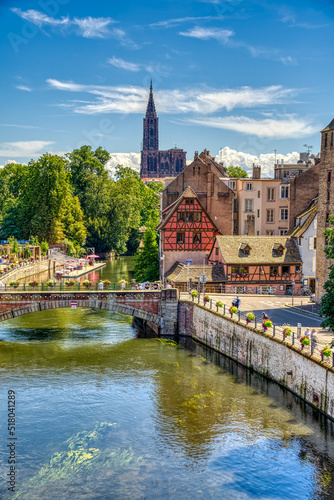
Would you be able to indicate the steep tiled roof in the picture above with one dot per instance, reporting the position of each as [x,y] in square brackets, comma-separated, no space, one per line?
[329,127]
[311,210]
[179,273]
[262,250]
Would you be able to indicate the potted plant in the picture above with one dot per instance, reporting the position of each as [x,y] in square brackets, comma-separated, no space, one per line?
[249,318]
[286,332]
[69,282]
[14,284]
[106,283]
[206,299]
[233,310]
[267,324]
[219,304]
[304,341]
[325,352]
[33,283]
[194,294]
[87,283]
[51,283]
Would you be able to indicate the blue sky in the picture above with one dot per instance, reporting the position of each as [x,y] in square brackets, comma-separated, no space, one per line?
[251,75]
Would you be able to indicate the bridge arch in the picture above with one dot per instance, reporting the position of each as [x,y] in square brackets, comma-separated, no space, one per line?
[155,309]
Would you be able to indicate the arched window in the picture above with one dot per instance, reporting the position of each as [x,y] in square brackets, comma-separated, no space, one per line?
[326,135]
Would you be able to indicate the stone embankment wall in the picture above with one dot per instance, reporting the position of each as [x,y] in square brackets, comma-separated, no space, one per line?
[288,365]
[23,272]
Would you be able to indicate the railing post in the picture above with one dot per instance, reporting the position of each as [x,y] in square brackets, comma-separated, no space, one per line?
[238,316]
[224,309]
[274,331]
[210,303]
[293,338]
[333,359]
[312,348]
[198,298]
[24,288]
[255,322]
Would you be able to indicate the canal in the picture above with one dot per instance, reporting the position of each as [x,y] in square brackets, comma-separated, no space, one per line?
[102,413]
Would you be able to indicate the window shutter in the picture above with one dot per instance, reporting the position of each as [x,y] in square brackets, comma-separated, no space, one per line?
[311,243]
[313,264]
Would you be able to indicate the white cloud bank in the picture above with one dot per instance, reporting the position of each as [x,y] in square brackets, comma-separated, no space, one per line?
[245,160]
[131,99]
[23,149]
[131,160]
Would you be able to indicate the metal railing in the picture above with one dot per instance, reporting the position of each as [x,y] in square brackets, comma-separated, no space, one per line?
[314,349]
[60,286]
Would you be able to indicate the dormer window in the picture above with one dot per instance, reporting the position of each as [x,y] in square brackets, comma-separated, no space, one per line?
[189,201]
[278,249]
[245,248]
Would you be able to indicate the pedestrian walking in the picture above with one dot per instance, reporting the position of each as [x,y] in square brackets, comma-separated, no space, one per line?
[307,333]
[314,337]
[147,285]
[101,285]
[237,302]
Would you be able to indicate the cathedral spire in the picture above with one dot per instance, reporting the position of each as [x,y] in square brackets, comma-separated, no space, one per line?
[150,110]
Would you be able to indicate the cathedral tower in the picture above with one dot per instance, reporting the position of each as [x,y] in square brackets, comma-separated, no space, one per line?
[156,164]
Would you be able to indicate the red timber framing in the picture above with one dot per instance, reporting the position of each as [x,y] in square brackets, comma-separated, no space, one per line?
[186,226]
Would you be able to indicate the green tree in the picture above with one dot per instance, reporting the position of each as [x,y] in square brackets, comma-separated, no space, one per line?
[34,241]
[237,172]
[14,246]
[44,247]
[147,258]
[327,301]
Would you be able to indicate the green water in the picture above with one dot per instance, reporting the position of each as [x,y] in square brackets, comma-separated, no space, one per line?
[104,414]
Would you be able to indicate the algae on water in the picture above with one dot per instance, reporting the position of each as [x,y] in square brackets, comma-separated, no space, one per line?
[86,454]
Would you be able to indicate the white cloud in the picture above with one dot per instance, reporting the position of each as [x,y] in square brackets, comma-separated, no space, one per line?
[17,126]
[93,27]
[245,160]
[87,27]
[23,149]
[131,160]
[169,23]
[284,128]
[201,101]
[219,34]
[120,63]
[23,87]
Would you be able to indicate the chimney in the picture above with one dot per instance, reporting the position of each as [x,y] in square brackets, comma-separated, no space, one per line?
[196,155]
[256,171]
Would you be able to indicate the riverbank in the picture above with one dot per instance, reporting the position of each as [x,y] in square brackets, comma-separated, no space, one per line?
[288,365]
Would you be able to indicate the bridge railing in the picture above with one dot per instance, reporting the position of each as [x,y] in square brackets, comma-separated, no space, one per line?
[314,349]
[61,286]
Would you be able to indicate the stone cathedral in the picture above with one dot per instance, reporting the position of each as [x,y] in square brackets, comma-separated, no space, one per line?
[157,164]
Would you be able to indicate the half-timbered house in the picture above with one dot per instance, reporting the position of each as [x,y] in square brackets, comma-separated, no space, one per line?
[258,264]
[187,231]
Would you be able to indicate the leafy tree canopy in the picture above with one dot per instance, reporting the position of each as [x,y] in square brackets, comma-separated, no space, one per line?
[237,172]
[327,301]
[147,258]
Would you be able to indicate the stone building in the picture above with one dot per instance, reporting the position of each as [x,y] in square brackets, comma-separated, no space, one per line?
[325,205]
[205,176]
[156,164]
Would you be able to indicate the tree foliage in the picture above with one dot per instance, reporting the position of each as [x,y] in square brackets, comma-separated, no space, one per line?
[237,172]
[147,258]
[327,301]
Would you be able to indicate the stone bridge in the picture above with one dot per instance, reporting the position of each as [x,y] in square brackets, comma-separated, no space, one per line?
[154,309]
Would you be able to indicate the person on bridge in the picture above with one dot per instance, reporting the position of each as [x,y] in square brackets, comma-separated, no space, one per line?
[237,302]
[264,316]
[314,337]
[147,285]
[101,285]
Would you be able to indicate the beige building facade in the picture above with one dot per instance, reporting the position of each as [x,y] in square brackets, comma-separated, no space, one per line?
[262,205]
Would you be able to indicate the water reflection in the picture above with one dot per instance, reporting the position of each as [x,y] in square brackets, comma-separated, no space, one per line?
[101,410]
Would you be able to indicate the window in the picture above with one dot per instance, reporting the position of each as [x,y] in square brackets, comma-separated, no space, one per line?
[235,205]
[297,268]
[312,243]
[197,216]
[270,215]
[273,271]
[270,194]
[248,205]
[217,251]
[326,136]
[249,186]
[181,216]
[285,173]
[285,270]
[189,216]
[189,201]
[194,170]
[300,172]
[328,195]
[180,237]
[259,194]
[270,233]
[332,140]
[257,233]
[284,192]
[282,232]
[258,213]
[329,176]
[232,184]
[284,214]
[197,238]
